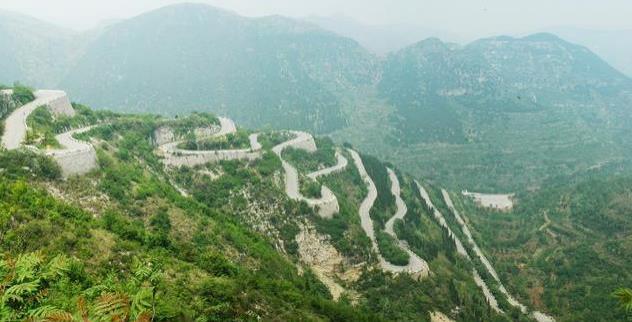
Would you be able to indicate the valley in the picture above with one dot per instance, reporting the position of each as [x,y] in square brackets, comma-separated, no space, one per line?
[195,164]
[377,253]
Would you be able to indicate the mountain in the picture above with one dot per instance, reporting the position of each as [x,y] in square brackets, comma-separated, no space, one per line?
[269,71]
[611,45]
[187,218]
[504,111]
[33,51]
[379,39]
[565,247]
[496,114]
[190,219]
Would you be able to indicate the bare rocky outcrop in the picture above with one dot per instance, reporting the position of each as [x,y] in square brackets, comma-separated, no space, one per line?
[327,204]
[503,202]
[437,316]
[328,264]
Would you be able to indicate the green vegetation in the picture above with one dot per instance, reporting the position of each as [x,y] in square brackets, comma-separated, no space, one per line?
[228,250]
[238,140]
[390,250]
[22,94]
[268,140]
[183,126]
[310,188]
[624,297]
[306,162]
[40,129]
[43,126]
[566,246]
[344,228]
[26,163]
[384,206]
[32,289]
[207,263]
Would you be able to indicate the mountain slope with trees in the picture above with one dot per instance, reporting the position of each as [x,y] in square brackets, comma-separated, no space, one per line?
[504,112]
[269,71]
[507,113]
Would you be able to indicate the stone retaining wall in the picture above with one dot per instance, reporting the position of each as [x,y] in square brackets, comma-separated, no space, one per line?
[61,106]
[193,158]
[75,162]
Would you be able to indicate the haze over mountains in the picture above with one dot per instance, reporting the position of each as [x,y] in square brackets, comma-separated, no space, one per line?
[338,193]
[614,46]
[514,108]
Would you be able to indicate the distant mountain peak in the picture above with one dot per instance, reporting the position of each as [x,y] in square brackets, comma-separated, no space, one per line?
[543,36]
[431,44]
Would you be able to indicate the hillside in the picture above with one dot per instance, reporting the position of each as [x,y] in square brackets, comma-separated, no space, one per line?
[500,114]
[190,217]
[504,113]
[33,51]
[269,71]
[606,43]
[565,247]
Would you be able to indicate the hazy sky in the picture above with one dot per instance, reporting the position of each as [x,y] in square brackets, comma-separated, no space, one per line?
[468,17]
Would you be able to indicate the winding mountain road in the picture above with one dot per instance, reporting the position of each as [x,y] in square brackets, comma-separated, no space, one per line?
[15,124]
[416,265]
[341,164]
[175,156]
[76,157]
[327,204]
[539,316]
[489,296]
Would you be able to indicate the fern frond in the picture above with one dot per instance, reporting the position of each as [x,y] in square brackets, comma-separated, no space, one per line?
[49,313]
[26,266]
[624,296]
[22,289]
[57,267]
[82,308]
[141,301]
[59,316]
[144,317]
[96,290]
[111,304]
